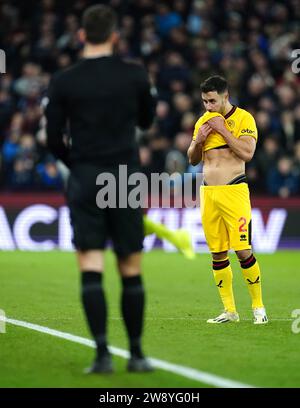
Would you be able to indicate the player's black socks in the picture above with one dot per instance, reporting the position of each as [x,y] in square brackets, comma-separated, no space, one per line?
[133,302]
[95,308]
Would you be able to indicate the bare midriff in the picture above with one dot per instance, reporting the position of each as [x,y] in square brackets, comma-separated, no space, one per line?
[220,166]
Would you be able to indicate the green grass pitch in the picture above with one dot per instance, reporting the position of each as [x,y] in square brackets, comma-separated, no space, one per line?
[43,288]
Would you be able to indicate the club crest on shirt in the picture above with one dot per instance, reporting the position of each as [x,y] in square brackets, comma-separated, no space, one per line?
[231,123]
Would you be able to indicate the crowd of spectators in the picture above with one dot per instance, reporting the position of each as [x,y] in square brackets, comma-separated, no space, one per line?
[181,42]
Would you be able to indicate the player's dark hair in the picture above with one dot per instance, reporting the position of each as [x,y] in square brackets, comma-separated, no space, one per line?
[99,22]
[214,83]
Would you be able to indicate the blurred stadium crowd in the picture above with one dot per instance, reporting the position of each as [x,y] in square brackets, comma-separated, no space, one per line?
[181,42]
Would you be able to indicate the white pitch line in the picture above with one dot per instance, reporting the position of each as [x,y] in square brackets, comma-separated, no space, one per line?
[203,319]
[191,373]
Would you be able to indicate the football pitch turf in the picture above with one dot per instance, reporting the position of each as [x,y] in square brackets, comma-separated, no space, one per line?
[43,289]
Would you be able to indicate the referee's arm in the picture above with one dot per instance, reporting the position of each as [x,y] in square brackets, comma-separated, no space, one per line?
[147,100]
[56,122]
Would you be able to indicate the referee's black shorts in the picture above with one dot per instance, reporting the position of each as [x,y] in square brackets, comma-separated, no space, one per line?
[93,226]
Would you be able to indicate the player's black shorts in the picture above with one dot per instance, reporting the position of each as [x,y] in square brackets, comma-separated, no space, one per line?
[93,226]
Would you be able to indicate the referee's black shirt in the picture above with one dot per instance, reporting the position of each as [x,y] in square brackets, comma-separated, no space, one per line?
[100,101]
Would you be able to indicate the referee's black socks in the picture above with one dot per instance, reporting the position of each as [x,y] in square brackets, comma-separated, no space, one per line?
[132,304]
[94,304]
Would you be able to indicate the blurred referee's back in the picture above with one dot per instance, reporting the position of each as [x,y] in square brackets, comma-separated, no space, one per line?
[100,100]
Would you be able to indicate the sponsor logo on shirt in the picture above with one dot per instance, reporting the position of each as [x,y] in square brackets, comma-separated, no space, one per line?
[249,131]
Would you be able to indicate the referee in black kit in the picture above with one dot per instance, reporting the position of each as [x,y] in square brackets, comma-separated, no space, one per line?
[100,100]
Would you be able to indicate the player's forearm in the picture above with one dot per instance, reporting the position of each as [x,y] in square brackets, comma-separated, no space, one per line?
[195,153]
[239,146]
